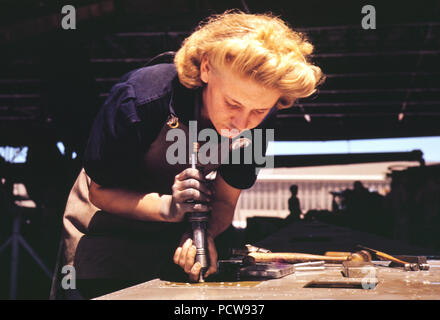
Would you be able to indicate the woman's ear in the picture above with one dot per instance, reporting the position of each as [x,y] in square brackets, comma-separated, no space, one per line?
[204,70]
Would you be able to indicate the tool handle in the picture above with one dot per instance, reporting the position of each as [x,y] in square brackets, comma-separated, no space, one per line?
[290,257]
[384,256]
[337,254]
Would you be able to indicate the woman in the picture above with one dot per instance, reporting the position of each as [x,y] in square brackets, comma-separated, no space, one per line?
[125,214]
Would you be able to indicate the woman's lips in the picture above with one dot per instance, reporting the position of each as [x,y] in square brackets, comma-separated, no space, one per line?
[230,133]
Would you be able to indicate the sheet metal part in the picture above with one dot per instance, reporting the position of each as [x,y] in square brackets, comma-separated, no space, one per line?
[349,283]
[267,270]
[248,249]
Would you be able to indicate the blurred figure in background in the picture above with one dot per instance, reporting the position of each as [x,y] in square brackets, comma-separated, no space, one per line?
[359,189]
[294,205]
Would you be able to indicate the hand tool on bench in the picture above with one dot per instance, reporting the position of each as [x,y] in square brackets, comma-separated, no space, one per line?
[291,257]
[242,266]
[255,261]
[354,268]
[384,256]
[422,261]
[309,266]
[362,255]
[337,253]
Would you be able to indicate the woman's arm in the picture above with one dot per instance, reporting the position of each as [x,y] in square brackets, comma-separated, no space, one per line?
[128,203]
[223,206]
[189,184]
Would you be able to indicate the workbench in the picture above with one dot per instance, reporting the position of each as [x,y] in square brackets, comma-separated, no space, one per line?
[393,283]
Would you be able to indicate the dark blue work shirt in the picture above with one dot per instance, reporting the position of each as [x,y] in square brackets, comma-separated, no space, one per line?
[131,119]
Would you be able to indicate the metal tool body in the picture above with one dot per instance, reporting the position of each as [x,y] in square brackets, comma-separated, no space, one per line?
[309,266]
[420,261]
[199,222]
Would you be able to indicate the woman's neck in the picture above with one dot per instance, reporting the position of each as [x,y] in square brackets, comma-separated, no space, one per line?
[204,121]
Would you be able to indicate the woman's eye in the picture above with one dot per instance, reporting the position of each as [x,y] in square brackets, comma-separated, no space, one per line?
[260,111]
[233,106]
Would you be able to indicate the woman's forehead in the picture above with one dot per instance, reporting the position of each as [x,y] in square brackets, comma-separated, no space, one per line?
[244,90]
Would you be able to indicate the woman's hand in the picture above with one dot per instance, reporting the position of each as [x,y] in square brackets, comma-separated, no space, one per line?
[191,193]
[185,255]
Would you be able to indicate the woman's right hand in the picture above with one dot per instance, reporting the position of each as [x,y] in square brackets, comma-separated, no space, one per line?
[191,193]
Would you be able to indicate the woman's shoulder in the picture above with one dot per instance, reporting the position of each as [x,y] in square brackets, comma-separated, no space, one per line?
[152,82]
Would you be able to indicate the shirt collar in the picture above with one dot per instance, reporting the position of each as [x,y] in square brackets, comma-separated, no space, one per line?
[185,103]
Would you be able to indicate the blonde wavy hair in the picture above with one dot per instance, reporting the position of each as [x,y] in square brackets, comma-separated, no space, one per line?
[259,46]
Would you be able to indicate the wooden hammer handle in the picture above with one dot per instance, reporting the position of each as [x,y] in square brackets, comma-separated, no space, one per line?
[384,256]
[291,257]
[337,254]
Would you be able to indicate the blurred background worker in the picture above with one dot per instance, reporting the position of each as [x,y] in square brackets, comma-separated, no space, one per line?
[294,205]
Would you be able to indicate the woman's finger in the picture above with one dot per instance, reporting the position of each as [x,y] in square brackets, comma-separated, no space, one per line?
[195,272]
[195,184]
[184,252]
[192,194]
[190,257]
[191,173]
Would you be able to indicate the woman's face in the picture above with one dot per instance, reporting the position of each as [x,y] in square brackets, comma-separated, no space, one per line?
[233,103]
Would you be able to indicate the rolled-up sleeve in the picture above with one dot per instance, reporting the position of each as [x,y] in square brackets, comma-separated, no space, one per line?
[243,175]
[239,176]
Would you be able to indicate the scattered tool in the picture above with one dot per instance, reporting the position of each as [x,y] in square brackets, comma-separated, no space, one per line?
[243,266]
[362,255]
[407,266]
[421,261]
[337,254]
[290,257]
[309,266]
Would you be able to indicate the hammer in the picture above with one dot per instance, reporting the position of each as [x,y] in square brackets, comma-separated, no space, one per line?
[290,257]
[362,255]
[384,256]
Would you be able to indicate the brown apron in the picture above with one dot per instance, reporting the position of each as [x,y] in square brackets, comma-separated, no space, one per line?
[103,245]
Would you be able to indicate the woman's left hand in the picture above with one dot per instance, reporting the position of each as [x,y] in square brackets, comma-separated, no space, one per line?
[185,255]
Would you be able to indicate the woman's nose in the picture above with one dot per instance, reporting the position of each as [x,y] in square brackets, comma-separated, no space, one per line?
[240,122]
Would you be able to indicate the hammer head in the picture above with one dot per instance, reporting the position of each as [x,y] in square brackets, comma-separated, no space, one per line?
[360,256]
